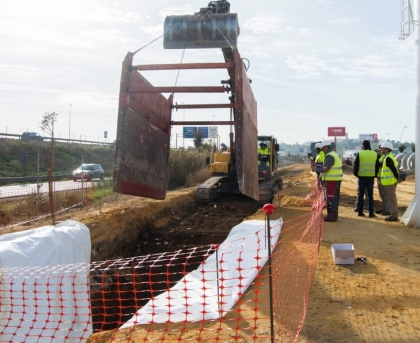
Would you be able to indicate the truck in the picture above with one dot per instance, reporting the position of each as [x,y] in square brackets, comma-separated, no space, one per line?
[145,115]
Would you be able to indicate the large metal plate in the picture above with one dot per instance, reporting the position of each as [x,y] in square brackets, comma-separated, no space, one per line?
[245,128]
[143,138]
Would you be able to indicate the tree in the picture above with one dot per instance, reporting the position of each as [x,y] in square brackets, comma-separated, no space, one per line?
[47,125]
[401,148]
[198,139]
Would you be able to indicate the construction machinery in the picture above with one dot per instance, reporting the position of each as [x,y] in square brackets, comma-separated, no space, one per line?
[224,175]
[145,114]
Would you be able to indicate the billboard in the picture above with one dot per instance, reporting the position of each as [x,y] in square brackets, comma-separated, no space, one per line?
[336,131]
[212,131]
[204,131]
[373,137]
[189,131]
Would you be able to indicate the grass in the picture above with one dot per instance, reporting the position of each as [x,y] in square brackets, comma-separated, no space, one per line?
[187,168]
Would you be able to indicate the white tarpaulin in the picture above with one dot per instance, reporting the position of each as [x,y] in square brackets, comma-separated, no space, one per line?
[44,284]
[223,277]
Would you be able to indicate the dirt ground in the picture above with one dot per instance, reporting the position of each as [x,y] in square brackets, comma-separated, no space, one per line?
[374,302]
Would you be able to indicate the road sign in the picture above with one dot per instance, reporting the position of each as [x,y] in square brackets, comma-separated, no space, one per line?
[212,131]
[204,131]
[23,158]
[189,131]
[336,131]
[105,134]
[373,137]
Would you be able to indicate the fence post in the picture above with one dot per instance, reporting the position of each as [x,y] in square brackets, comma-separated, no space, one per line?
[268,209]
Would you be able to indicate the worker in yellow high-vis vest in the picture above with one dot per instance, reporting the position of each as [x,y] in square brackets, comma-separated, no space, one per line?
[385,209]
[365,169]
[389,179]
[332,175]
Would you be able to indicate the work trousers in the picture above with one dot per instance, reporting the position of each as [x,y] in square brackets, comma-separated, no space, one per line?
[365,183]
[332,189]
[384,199]
[391,195]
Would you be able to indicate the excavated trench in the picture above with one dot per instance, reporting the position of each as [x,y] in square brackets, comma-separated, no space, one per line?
[126,282]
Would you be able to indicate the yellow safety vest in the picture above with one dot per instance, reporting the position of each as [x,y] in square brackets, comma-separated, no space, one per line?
[336,171]
[367,161]
[264,151]
[320,157]
[387,176]
[381,160]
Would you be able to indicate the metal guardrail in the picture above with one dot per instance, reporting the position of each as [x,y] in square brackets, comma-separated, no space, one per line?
[34,178]
[65,140]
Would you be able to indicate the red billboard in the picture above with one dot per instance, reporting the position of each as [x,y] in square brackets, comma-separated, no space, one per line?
[336,131]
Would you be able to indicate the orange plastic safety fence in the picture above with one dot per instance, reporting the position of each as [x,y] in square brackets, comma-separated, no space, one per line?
[204,294]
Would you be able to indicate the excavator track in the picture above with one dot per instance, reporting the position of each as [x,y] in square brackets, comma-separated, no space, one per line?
[214,188]
[269,187]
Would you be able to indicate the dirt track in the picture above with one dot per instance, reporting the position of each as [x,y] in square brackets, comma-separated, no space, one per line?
[375,302]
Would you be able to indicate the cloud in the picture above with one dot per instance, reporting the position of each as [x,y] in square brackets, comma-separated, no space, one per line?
[312,66]
[181,10]
[344,22]
[264,22]
[112,35]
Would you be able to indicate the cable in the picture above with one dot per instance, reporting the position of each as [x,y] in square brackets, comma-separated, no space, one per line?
[249,63]
[135,52]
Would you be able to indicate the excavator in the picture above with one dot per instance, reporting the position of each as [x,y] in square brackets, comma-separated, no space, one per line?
[223,179]
[145,115]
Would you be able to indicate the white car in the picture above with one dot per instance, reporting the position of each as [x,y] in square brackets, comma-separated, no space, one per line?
[88,172]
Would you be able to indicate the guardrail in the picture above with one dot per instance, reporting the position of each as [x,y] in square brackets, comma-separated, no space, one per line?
[34,178]
[65,140]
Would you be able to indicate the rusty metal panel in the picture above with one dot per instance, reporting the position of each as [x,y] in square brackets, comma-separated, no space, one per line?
[143,138]
[245,132]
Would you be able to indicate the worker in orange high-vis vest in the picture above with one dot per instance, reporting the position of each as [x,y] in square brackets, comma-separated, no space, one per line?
[389,179]
[331,177]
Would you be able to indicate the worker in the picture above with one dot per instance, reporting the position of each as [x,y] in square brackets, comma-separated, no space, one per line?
[263,154]
[319,159]
[332,175]
[389,179]
[365,169]
[385,210]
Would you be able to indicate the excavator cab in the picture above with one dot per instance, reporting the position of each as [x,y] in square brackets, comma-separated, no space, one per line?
[267,156]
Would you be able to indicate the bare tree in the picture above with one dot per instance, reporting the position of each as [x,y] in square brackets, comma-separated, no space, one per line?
[47,125]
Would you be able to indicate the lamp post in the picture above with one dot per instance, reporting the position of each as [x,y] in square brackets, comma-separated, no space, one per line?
[402,134]
[386,134]
[69,121]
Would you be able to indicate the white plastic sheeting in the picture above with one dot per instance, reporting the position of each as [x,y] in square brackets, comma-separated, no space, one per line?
[197,296]
[44,284]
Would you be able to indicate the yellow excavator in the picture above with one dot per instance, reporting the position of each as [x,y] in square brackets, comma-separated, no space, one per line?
[224,179]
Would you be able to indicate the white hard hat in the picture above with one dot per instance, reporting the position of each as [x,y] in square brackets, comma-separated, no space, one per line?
[380,144]
[387,145]
[318,145]
[325,143]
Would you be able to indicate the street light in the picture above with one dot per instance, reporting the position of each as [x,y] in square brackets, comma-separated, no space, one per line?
[401,134]
[386,134]
[69,120]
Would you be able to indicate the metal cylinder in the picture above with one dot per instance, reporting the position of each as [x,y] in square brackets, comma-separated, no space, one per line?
[201,31]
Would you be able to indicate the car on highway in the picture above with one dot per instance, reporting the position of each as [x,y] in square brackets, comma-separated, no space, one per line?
[88,172]
[31,136]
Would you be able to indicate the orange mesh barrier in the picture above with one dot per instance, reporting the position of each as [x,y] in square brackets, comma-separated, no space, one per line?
[49,304]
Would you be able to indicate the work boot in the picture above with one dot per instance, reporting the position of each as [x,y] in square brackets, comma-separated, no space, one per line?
[391,219]
[386,213]
[372,215]
[379,211]
[361,215]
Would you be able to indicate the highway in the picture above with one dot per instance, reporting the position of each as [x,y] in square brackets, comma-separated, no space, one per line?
[25,189]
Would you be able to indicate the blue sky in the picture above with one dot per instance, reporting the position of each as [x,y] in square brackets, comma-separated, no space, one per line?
[313,64]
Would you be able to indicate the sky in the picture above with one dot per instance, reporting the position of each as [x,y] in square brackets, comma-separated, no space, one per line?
[313,64]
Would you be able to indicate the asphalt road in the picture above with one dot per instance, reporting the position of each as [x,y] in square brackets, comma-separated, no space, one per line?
[25,189]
